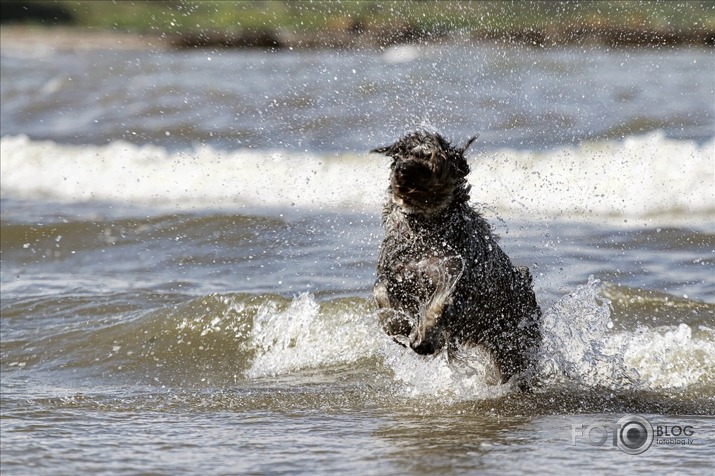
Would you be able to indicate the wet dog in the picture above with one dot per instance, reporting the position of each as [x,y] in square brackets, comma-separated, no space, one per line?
[442,279]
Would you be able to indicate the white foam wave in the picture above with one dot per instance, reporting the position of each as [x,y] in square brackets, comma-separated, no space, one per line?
[305,336]
[581,346]
[203,177]
[671,357]
[647,177]
[309,335]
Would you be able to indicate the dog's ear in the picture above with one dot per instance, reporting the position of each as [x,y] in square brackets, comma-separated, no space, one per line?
[464,148]
[384,150]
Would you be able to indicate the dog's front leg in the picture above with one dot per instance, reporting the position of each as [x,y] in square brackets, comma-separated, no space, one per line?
[429,334]
[396,323]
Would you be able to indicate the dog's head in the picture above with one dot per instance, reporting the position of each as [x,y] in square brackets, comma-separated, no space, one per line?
[428,174]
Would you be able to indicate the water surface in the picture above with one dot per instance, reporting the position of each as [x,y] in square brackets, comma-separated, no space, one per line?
[189,242]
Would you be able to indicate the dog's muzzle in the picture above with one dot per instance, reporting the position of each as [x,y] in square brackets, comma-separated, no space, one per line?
[411,175]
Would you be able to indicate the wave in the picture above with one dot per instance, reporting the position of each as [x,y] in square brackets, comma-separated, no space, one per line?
[585,346]
[649,177]
[221,340]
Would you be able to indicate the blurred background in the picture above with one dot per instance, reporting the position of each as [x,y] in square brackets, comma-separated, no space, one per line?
[284,23]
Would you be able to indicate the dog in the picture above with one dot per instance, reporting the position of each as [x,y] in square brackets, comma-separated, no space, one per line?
[442,279]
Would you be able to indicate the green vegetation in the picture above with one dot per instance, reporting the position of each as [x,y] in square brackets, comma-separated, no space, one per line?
[546,19]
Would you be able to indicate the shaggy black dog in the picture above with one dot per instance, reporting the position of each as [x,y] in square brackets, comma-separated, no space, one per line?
[442,279]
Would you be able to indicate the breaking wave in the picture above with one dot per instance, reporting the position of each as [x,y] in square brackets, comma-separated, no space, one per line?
[648,177]
[222,339]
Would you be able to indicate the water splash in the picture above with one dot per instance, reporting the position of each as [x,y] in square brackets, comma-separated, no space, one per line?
[668,357]
[449,377]
[582,347]
[309,335]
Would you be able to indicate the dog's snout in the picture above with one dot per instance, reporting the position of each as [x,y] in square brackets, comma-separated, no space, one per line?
[403,166]
[412,173]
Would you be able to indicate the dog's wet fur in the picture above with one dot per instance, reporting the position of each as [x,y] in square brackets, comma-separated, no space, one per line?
[442,279]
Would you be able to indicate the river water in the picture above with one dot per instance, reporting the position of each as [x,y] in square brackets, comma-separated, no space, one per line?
[189,241]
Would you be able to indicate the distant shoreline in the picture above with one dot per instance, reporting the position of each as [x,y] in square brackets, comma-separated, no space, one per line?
[69,39]
[14,37]
[361,23]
